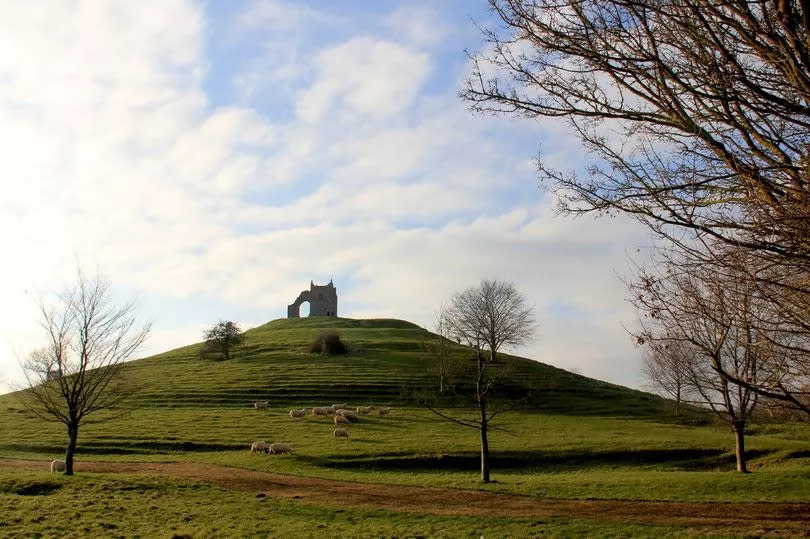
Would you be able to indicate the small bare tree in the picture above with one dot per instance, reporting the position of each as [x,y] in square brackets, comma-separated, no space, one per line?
[78,372]
[440,348]
[666,368]
[487,317]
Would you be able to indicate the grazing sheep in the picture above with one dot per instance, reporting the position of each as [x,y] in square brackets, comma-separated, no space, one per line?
[364,409]
[298,413]
[58,465]
[258,447]
[261,404]
[279,448]
[341,433]
[319,410]
[348,414]
[383,410]
[338,419]
[337,406]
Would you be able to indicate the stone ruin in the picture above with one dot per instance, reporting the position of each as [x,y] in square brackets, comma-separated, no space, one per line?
[322,301]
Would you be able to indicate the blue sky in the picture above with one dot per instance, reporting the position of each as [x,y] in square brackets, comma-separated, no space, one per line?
[213,158]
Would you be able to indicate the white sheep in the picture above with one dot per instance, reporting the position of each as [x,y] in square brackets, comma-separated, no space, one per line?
[58,465]
[258,447]
[383,410]
[298,413]
[337,406]
[321,411]
[279,448]
[341,433]
[363,409]
[261,404]
[338,419]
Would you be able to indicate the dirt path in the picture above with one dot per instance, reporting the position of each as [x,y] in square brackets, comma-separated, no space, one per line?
[735,518]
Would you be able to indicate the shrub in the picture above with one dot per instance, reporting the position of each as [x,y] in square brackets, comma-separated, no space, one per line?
[328,343]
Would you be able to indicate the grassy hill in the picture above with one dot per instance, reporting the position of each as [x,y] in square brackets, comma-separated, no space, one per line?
[576,438]
[386,362]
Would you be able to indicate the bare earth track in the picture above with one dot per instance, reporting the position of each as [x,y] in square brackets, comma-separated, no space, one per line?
[792,519]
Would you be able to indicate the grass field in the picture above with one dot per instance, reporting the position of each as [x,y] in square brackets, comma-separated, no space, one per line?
[576,439]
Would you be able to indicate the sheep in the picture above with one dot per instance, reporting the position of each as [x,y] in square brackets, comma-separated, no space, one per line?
[348,414]
[321,411]
[337,406]
[279,448]
[258,447]
[383,410]
[58,465]
[364,409]
[261,404]
[338,419]
[298,413]
[341,433]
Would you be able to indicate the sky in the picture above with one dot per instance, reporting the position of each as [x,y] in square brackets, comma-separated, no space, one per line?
[211,158]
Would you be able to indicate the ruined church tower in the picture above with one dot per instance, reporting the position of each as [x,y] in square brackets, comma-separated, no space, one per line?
[322,301]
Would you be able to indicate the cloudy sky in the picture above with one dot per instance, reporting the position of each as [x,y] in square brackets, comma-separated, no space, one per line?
[212,158]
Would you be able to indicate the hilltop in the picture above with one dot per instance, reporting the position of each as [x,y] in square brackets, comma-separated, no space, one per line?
[386,361]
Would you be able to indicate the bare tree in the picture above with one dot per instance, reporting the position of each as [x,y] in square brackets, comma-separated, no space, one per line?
[697,114]
[713,316]
[487,317]
[442,350]
[221,339]
[666,366]
[710,100]
[78,372]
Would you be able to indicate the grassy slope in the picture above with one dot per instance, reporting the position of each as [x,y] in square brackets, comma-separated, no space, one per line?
[386,361]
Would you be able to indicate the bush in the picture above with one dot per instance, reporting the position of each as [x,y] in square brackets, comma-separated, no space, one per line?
[328,343]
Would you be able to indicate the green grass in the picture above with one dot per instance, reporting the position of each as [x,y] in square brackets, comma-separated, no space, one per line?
[549,456]
[38,504]
[576,438]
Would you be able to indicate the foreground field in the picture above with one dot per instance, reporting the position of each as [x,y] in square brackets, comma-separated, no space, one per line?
[548,456]
[582,457]
[190,472]
[144,505]
[122,499]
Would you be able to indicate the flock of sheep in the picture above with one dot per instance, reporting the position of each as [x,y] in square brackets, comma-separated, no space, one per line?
[342,416]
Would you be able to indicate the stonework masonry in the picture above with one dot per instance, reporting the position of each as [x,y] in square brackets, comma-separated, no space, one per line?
[322,301]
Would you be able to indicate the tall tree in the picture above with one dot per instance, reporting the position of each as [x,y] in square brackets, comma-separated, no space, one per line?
[221,340]
[79,371]
[487,317]
[697,113]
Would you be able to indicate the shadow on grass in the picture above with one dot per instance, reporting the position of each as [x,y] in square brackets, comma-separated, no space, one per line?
[538,461]
[124,447]
[33,488]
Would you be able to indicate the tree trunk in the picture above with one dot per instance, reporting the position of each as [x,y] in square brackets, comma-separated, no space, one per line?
[73,434]
[441,384]
[739,435]
[678,400]
[484,443]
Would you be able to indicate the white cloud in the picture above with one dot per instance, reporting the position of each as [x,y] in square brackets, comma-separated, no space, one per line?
[418,25]
[364,76]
